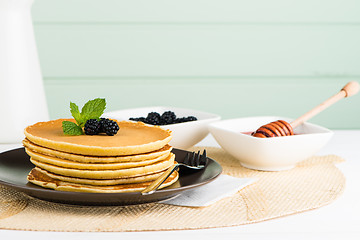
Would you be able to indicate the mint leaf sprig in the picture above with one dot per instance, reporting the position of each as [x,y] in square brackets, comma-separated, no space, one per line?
[71,128]
[93,109]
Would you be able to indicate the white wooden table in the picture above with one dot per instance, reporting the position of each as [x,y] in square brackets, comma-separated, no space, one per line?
[339,220]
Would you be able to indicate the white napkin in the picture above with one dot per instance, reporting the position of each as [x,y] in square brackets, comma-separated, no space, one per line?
[223,186]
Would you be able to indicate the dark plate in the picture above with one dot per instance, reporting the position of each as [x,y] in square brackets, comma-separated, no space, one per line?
[15,166]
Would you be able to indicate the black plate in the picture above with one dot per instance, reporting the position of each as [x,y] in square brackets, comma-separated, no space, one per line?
[15,166]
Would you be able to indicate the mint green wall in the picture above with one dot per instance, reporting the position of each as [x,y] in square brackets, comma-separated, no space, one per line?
[235,58]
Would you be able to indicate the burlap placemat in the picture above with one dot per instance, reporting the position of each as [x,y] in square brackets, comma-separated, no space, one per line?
[313,183]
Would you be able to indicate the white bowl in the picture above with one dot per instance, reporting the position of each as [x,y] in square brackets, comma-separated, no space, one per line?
[268,154]
[185,135]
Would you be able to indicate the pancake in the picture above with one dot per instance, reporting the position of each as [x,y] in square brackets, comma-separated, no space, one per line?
[107,174]
[132,138]
[96,159]
[43,180]
[101,182]
[91,166]
[127,162]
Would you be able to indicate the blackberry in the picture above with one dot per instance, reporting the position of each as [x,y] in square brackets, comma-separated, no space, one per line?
[108,126]
[139,119]
[92,127]
[153,118]
[185,119]
[180,120]
[167,118]
[191,118]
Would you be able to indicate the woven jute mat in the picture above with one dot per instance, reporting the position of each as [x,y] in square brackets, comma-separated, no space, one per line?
[314,183]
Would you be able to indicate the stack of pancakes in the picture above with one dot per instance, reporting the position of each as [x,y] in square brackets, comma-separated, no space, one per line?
[126,162]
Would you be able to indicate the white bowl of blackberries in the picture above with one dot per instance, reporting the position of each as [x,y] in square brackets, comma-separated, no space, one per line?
[188,126]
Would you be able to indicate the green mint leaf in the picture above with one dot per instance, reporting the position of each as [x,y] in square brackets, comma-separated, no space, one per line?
[93,109]
[74,109]
[71,128]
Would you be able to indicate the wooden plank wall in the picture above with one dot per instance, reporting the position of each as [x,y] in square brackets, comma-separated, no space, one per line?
[235,58]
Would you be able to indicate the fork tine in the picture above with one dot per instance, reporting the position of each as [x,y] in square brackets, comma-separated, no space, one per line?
[203,157]
[193,155]
[187,159]
[197,160]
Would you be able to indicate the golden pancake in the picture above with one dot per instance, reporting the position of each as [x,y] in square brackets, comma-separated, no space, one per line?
[107,174]
[101,182]
[132,138]
[43,180]
[90,166]
[97,159]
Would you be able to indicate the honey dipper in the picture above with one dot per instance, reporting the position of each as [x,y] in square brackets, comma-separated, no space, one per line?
[282,128]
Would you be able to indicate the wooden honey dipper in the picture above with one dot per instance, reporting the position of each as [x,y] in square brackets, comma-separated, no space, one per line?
[282,128]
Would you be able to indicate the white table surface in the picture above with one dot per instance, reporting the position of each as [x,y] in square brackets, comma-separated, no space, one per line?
[339,220]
